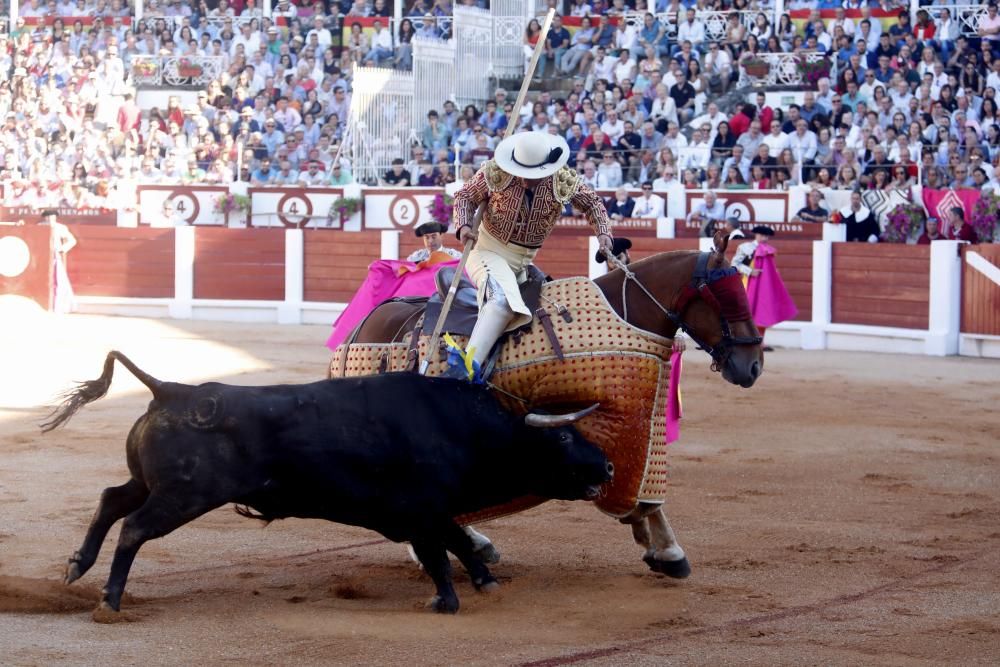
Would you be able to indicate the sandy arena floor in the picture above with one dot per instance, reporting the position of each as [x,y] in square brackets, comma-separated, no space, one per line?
[844,511]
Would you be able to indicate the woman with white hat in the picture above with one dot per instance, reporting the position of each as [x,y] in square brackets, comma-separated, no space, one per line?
[526,186]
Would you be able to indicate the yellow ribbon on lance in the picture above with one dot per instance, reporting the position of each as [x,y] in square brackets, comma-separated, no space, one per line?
[466,355]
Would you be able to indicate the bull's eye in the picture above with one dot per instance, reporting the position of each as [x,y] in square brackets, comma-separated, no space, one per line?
[564,438]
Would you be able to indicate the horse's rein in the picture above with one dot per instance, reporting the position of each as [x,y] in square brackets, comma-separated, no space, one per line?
[700,282]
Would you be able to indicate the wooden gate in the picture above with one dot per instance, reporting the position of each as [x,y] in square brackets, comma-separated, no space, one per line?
[981,289]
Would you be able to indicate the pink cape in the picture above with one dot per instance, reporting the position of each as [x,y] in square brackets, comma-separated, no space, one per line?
[769,300]
[674,412]
[386,279]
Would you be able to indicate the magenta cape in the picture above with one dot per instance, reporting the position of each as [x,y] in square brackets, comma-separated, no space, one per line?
[674,412]
[770,302]
[384,282]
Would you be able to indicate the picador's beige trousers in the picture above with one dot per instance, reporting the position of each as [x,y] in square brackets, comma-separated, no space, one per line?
[495,266]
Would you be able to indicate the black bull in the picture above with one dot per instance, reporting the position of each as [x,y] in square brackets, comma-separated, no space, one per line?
[399,453]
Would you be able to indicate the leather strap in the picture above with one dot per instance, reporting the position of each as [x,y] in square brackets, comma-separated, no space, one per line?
[543,317]
[413,352]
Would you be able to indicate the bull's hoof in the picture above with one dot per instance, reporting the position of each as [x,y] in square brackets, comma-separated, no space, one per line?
[443,605]
[72,571]
[488,553]
[676,569]
[487,585]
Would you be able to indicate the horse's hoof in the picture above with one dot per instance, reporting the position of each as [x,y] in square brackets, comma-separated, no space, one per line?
[72,572]
[488,553]
[443,606]
[487,585]
[675,569]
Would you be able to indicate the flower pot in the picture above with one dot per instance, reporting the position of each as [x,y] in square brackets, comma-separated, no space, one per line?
[757,70]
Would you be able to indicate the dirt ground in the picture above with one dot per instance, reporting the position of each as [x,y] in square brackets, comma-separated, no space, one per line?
[843,511]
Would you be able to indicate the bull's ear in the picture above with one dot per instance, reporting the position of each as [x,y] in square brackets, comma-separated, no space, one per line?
[553,421]
[721,241]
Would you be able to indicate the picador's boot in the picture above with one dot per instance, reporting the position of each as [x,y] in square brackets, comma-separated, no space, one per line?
[492,322]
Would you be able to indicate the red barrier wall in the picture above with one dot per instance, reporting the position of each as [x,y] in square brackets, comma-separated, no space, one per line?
[980,295]
[336,263]
[239,264]
[564,256]
[881,284]
[122,261]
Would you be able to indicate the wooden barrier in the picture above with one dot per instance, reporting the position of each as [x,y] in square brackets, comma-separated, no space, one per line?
[336,263]
[564,256]
[980,295]
[122,262]
[644,246]
[881,285]
[239,264]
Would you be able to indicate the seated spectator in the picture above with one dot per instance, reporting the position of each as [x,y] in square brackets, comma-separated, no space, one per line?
[812,211]
[397,174]
[707,213]
[648,205]
[958,229]
[621,205]
[932,232]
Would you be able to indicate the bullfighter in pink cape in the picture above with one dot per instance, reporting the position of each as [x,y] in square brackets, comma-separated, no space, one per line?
[769,300]
[388,278]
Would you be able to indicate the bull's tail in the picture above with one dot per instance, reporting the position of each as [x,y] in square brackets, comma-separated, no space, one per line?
[91,390]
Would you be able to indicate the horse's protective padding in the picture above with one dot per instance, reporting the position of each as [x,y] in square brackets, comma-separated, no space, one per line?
[607,361]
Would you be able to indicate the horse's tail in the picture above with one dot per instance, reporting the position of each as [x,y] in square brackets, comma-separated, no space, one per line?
[91,390]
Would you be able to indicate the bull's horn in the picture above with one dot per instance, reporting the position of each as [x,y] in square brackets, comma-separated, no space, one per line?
[553,421]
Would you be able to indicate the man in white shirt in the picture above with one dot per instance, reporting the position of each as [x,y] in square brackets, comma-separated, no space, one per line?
[671,189]
[691,30]
[674,140]
[248,38]
[777,140]
[648,205]
[381,48]
[803,142]
[602,67]
[624,67]
[719,67]
[609,172]
[613,126]
[738,160]
[713,117]
[313,176]
[707,213]
[698,152]
[286,115]
[323,35]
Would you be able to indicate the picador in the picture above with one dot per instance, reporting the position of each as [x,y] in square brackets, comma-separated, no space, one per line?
[526,188]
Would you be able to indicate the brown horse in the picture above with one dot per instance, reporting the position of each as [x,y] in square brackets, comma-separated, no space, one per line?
[689,290]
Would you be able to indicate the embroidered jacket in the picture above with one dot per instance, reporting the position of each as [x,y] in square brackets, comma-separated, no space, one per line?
[508,217]
[743,257]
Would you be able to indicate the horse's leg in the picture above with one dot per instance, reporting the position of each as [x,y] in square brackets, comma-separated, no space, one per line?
[651,530]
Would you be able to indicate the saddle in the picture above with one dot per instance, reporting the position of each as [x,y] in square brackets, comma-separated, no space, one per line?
[464,312]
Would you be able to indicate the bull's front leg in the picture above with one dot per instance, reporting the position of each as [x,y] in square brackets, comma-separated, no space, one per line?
[434,558]
[651,530]
[464,547]
[116,502]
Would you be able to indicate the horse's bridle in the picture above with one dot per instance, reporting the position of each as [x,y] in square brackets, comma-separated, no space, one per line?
[700,286]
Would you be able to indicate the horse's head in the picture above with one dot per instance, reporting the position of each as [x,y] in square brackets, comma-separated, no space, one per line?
[712,308]
[699,293]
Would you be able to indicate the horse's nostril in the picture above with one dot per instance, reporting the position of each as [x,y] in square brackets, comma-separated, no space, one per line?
[611,469]
[755,370]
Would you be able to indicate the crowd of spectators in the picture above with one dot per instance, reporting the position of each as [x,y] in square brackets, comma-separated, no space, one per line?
[903,104]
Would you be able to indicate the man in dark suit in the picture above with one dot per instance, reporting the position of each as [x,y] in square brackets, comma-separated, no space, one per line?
[620,206]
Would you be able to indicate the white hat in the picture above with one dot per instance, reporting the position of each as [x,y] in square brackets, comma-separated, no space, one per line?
[532,154]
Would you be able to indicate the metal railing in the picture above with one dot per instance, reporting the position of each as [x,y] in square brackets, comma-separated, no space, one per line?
[174,71]
[966,16]
[381,124]
[786,69]
[715,22]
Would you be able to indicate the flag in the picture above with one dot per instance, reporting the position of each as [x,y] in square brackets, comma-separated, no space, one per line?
[937,202]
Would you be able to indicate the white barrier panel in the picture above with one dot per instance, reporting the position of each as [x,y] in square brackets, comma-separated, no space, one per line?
[300,207]
[398,208]
[192,204]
